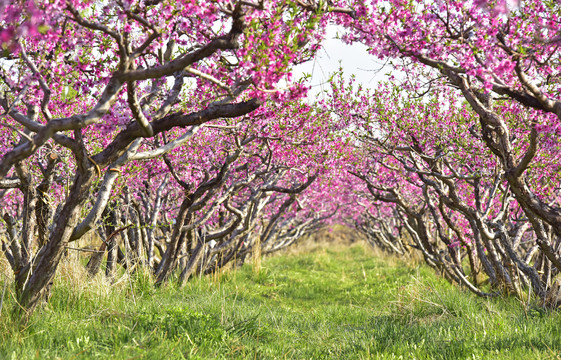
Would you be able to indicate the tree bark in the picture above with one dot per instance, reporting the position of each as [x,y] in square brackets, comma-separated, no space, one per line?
[43,269]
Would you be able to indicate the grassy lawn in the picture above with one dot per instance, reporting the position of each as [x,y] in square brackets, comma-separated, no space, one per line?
[327,303]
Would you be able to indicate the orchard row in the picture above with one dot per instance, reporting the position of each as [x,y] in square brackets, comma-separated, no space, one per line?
[173,130]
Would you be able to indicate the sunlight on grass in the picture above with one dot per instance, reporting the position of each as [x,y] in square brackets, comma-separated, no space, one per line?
[337,303]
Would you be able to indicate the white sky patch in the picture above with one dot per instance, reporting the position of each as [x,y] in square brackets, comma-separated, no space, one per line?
[354,60]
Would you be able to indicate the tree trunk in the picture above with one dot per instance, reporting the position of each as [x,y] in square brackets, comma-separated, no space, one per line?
[94,264]
[43,269]
[111,244]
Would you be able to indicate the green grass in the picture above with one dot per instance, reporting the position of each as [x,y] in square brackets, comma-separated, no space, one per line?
[341,303]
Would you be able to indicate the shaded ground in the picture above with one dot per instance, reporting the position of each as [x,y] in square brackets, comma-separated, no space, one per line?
[336,303]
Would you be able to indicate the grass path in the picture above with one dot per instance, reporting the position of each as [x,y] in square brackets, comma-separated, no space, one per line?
[341,303]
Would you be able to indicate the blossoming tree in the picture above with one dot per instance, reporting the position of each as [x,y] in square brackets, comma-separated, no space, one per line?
[88,87]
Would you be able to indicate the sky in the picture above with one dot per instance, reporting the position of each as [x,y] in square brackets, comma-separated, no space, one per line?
[354,59]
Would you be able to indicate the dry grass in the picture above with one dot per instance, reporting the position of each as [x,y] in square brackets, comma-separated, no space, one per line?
[5,269]
[335,237]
